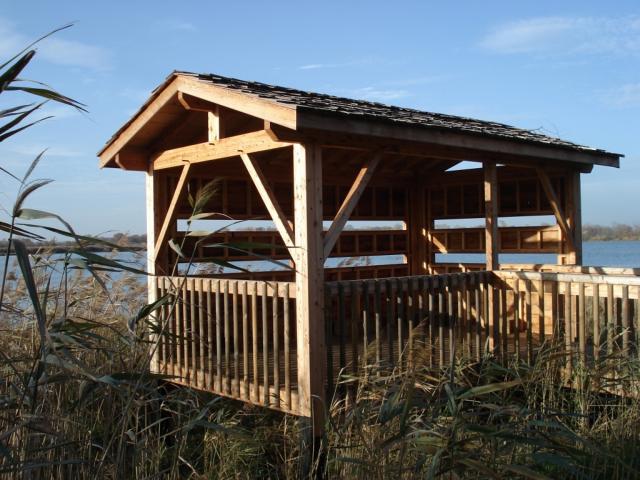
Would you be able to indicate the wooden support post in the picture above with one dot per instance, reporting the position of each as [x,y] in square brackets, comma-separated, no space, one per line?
[574,217]
[170,215]
[213,125]
[492,247]
[307,190]
[492,237]
[417,230]
[151,193]
[350,202]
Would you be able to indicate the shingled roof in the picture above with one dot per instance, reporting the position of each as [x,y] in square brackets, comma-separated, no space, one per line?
[330,104]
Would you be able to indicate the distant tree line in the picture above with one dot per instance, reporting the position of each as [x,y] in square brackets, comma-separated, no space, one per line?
[134,242]
[617,231]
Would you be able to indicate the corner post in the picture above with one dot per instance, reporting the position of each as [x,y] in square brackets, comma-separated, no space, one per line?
[151,194]
[307,191]
[574,217]
[492,246]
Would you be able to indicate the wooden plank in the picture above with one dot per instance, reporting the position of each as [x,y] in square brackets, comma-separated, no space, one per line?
[226,312]
[377,319]
[171,211]
[626,322]
[201,333]
[277,215]
[228,147]
[287,342]
[265,346]
[529,318]
[254,338]
[568,328]
[245,340]
[219,334]
[596,321]
[276,350]
[557,209]
[210,339]
[350,202]
[307,188]
[582,324]
[492,240]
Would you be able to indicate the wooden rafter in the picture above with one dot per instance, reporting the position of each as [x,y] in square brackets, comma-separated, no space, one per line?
[226,148]
[555,206]
[350,202]
[212,110]
[170,216]
[277,215]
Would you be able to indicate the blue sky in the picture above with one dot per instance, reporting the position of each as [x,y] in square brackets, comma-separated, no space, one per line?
[570,69]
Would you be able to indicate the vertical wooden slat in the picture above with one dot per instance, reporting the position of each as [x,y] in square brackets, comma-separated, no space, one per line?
[528,319]
[477,292]
[626,324]
[193,341]
[219,334]
[201,332]
[441,316]
[504,323]
[210,330]
[596,320]
[353,318]
[236,338]
[431,319]
[399,303]
[366,313]
[265,346]
[610,320]
[245,341]
[341,327]
[227,336]
[555,313]
[255,335]
[276,346]
[329,315]
[287,342]
[568,327]
[541,311]
[389,320]
[410,316]
[451,316]
[184,335]
[377,313]
[161,326]
[467,285]
[517,303]
[582,321]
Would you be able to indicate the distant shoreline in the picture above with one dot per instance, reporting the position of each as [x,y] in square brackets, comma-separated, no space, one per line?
[68,248]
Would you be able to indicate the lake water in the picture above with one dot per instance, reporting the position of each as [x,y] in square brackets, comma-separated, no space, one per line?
[597,254]
[601,254]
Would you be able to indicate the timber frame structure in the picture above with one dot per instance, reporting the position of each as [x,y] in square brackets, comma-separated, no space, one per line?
[353,192]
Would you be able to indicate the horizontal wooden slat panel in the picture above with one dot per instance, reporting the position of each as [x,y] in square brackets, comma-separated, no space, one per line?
[542,239]
[351,243]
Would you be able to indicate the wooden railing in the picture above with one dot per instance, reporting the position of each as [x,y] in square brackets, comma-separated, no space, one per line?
[236,338]
[433,319]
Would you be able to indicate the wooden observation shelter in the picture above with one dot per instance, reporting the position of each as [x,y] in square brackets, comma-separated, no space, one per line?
[362,207]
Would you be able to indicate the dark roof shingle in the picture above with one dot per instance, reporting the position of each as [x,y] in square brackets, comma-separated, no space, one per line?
[388,113]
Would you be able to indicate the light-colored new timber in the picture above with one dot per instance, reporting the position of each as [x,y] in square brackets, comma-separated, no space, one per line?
[170,215]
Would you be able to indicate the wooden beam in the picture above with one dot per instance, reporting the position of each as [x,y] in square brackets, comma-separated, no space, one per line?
[170,216]
[469,147]
[350,202]
[253,105]
[132,159]
[212,110]
[151,108]
[277,215]
[556,208]
[311,349]
[226,148]
[492,239]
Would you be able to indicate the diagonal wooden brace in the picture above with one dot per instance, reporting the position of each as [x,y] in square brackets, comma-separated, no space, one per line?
[282,224]
[350,202]
[170,216]
[555,206]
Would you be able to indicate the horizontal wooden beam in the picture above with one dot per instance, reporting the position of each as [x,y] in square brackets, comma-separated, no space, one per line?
[225,148]
[450,143]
